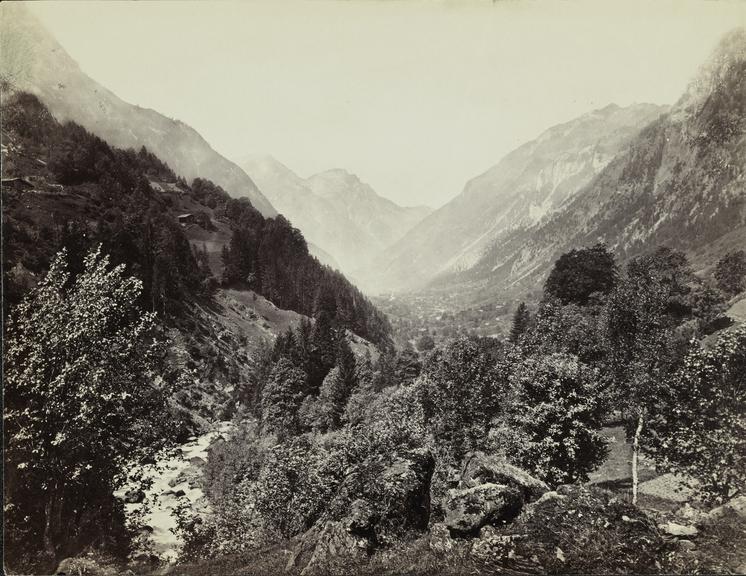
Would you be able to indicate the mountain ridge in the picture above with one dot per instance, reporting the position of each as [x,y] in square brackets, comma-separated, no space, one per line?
[524,186]
[680,184]
[43,67]
[334,209]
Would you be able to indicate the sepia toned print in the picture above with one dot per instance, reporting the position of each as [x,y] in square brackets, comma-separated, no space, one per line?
[373,288]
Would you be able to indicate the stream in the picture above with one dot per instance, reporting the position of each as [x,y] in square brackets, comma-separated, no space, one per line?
[176,477]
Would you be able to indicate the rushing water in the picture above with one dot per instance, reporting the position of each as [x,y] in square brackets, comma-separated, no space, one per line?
[174,473]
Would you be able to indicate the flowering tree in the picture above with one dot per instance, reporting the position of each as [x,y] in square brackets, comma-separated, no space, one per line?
[82,397]
[554,422]
[698,425]
[642,312]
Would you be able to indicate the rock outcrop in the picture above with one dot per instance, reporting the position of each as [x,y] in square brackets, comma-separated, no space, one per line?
[468,509]
[480,468]
[489,491]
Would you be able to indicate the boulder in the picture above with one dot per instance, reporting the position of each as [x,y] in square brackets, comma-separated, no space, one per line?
[686,545]
[439,540]
[735,506]
[134,496]
[325,544]
[468,509]
[378,501]
[679,530]
[480,468]
[391,495]
[406,489]
[197,461]
[492,546]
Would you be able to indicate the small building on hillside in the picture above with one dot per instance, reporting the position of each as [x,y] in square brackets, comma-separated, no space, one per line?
[185,219]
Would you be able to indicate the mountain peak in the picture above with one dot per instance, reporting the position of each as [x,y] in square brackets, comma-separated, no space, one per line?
[729,54]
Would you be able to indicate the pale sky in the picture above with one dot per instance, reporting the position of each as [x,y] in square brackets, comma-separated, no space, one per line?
[414,97]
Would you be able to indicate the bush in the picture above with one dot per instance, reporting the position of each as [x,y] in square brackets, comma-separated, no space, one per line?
[554,420]
[698,423]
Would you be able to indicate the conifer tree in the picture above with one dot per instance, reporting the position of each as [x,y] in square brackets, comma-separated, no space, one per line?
[281,397]
[521,319]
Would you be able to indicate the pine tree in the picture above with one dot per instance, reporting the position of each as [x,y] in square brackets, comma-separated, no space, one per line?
[521,319]
[281,397]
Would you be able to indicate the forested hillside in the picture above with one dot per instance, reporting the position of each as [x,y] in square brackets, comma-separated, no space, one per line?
[81,192]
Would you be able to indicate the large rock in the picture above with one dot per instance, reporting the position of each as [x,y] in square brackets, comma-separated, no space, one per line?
[492,546]
[330,543]
[468,509]
[439,540]
[679,530]
[406,489]
[134,496]
[735,506]
[378,501]
[480,468]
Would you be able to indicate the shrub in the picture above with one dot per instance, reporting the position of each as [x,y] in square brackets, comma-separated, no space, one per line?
[554,419]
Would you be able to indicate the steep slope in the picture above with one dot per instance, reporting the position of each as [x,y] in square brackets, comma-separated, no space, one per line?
[680,183]
[334,210]
[35,62]
[318,218]
[527,185]
[382,219]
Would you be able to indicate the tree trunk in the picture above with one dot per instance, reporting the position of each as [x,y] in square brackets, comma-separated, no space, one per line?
[635,457]
[49,527]
[52,521]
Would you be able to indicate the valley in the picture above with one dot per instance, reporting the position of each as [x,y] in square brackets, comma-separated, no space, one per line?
[219,367]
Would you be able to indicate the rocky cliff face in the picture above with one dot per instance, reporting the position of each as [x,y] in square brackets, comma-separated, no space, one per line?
[527,186]
[35,62]
[679,183]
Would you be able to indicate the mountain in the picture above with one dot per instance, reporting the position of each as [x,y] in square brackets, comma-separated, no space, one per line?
[336,212]
[64,187]
[680,182]
[526,186]
[380,218]
[36,63]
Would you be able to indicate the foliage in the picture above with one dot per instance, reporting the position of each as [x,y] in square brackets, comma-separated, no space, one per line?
[641,314]
[83,398]
[730,272]
[296,482]
[272,257]
[521,319]
[462,391]
[281,398]
[554,421]
[578,274]
[698,423]
[425,343]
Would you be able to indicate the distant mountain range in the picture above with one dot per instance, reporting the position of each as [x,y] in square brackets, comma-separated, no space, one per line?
[680,182]
[337,212]
[634,177]
[41,66]
[526,186]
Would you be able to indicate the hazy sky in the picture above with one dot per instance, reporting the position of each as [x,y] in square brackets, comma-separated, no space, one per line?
[414,97]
